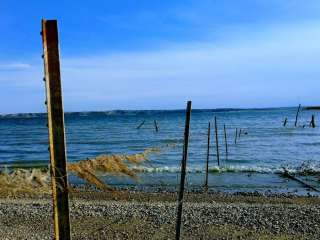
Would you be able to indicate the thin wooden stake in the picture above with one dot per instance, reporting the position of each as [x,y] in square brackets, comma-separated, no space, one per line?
[225,139]
[183,169]
[297,114]
[140,125]
[156,125]
[208,154]
[57,143]
[312,122]
[285,122]
[235,137]
[217,141]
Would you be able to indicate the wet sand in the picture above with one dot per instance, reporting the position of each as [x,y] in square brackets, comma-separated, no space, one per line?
[141,215]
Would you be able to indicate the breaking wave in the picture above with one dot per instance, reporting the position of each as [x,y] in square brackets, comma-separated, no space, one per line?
[310,170]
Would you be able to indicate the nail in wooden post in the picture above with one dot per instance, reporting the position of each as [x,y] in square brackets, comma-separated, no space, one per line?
[217,141]
[235,137]
[56,130]
[297,114]
[183,169]
[208,154]
[225,139]
[156,125]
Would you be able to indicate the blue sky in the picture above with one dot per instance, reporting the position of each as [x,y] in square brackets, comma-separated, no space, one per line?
[145,54]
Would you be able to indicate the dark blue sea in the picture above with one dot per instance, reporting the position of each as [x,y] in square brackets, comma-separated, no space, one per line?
[254,163]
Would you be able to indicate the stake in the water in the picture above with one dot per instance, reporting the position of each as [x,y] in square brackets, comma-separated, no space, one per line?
[141,124]
[156,125]
[235,137]
[297,114]
[208,154]
[312,122]
[183,169]
[285,122]
[217,140]
[57,143]
[225,140]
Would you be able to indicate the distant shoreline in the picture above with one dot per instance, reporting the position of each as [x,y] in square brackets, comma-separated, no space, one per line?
[154,110]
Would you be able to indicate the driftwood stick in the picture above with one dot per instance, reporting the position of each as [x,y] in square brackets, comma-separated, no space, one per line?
[141,124]
[288,175]
[217,140]
[297,114]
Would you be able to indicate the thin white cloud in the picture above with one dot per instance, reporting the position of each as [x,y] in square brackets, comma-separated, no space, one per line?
[14,66]
[271,67]
[255,71]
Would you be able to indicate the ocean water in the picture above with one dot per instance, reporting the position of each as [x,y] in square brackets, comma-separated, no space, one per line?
[252,164]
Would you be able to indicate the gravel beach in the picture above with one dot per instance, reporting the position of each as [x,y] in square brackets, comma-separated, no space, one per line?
[138,215]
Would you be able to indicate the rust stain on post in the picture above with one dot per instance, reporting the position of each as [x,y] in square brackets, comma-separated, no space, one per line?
[56,129]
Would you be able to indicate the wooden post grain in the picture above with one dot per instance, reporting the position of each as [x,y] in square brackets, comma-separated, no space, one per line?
[297,114]
[208,154]
[225,140]
[57,147]
[183,169]
[217,140]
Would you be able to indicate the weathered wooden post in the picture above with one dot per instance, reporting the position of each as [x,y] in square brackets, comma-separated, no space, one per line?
[156,125]
[297,114]
[225,139]
[312,122]
[183,169]
[57,143]
[208,154]
[217,141]
[235,137]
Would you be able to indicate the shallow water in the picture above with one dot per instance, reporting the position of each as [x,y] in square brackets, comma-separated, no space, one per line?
[252,163]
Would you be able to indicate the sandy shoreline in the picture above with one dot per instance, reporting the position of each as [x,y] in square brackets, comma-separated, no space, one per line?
[138,215]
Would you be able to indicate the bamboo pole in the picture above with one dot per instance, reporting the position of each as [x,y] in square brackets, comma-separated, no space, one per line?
[225,140]
[208,154]
[183,169]
[217,140]
[57,143]
[297,114]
